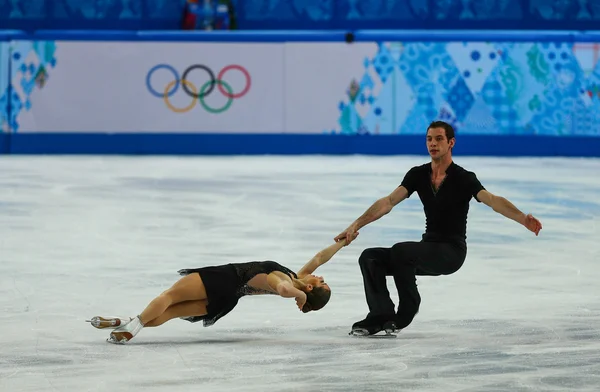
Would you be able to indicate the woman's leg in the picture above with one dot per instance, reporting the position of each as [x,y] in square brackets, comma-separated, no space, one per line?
[188,288]
[182,309]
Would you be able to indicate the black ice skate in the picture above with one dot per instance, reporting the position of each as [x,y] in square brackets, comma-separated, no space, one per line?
[371,326]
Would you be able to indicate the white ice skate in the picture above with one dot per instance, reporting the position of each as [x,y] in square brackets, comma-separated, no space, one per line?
[126,332]
[108,322]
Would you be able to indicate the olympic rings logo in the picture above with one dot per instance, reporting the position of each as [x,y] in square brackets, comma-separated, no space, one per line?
[198,94]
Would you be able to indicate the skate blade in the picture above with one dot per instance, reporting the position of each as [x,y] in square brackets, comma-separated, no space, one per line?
[104,322]
[359,332]
[366,334]
[391,331]
[115,341]
[119,337]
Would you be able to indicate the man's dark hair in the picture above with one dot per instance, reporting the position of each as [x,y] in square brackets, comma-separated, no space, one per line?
[447,127]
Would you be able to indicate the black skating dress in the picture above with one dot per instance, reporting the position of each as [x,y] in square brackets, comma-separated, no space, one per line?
[226,284]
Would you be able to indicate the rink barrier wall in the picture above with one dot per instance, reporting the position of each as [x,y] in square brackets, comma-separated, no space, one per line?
[293,144]
[141,142]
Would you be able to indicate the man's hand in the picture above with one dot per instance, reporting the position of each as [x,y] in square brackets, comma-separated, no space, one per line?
[349,234]
[532,224]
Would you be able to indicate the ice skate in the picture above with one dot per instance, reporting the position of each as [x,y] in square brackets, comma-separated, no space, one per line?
[125,333]
[390,328]
[371,326]
[108,322]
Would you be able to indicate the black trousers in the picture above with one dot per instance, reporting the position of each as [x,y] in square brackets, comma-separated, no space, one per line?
[404,261]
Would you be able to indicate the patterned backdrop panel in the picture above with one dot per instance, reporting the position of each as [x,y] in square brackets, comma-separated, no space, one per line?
[31,67]
[93,9]
[4,86]
[103,14]
[480,88]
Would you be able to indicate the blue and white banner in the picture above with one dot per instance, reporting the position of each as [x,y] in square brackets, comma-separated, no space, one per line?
[375,88]
[501,88]
[150,87]
[316,77]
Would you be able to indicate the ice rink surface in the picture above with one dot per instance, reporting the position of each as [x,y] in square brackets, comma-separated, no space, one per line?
[86,236]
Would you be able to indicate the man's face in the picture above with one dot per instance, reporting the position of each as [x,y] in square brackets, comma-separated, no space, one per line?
[437,143]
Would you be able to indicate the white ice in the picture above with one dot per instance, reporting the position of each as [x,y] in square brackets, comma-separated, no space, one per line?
[86,236]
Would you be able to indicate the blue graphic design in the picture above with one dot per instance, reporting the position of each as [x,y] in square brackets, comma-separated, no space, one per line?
[480,88]
[417,120]
[31,63]
[4,87]
[430,72]
[93,9]
[523,78]
[507,118]
[556,116]
[479,120]
[376,10]
[460,99]
[23,10]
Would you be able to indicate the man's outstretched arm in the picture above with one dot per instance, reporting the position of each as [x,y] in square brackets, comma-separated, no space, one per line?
[504,207]
[380,208]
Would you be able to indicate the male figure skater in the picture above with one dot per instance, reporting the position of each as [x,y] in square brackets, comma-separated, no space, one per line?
[445,190]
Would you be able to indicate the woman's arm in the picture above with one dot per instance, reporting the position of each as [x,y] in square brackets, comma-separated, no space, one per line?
[286,289]
[321,258]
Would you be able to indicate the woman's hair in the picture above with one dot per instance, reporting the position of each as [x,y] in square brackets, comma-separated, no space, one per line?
[316,299]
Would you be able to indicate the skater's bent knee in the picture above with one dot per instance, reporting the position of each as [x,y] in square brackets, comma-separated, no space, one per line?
[167,296]
[367,255]
[399,247]
[400,251]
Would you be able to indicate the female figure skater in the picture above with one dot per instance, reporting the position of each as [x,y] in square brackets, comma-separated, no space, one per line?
[209,293]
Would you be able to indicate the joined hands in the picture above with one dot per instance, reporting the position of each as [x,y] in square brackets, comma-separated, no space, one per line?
[349,234]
